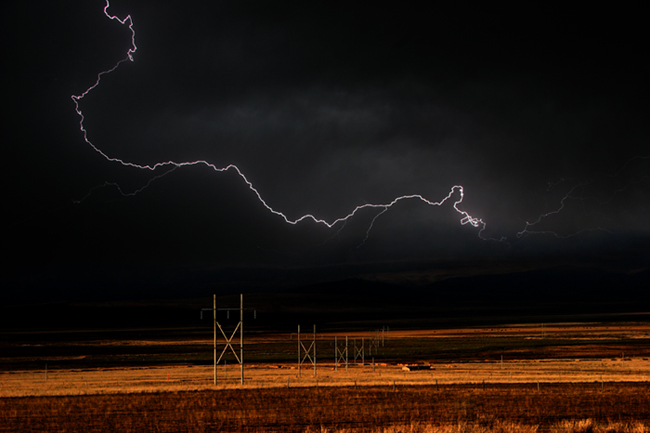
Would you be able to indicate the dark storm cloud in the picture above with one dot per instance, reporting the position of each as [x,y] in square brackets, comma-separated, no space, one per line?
[326,147]
[320,138]
[326,106]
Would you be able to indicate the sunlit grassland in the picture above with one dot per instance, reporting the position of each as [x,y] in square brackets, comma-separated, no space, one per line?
[560,378]
[590,353]
[468,408]
[597,373]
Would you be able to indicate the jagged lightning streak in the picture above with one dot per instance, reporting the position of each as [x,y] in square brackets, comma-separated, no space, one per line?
[77,98]
[577,193]
[466,218]
[527,230]
[119,188]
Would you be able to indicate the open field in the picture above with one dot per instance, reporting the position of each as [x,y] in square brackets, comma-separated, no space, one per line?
[597,373]
[619,407]
[141,361]
[563,377]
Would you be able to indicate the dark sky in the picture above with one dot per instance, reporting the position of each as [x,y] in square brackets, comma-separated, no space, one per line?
[323,106]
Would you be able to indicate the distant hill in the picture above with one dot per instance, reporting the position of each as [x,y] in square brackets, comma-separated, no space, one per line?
[549,294]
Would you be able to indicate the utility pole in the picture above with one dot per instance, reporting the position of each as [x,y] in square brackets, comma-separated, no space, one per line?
[340,355]
[241,335]
[359,352]
[309,352]
[214,318]
[229,340]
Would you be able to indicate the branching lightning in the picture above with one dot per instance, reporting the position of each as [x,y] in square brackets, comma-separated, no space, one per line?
[466,218]
[528,229]
[119,188]
[577,193]
[455,194]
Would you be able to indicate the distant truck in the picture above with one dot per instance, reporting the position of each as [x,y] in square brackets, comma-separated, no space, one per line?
[416,367]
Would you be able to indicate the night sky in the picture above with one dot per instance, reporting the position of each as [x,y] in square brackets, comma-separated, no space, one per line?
[323,106]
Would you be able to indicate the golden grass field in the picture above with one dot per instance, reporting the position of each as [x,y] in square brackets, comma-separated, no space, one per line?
[564,377]
[197,378]
[566,407]
[578,363]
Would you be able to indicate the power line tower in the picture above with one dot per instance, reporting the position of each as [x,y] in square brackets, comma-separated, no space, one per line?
[373,345]
[305,353]
[378,340]
[359,352]
[340,355]
[229,340]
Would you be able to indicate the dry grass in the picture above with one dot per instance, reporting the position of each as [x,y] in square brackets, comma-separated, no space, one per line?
[573,378]
[456,408]
[556,353]
[590,426]
[567,426]
[598,373]
[498,427]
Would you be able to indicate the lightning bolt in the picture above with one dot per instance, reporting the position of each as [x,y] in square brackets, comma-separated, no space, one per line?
[528,229]
[455,191]
[119,188]
[466,218]
[578,192]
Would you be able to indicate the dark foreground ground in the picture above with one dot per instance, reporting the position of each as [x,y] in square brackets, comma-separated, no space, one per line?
[333,409]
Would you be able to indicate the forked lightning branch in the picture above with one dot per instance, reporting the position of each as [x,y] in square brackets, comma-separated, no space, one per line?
[455,195]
